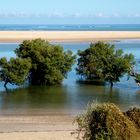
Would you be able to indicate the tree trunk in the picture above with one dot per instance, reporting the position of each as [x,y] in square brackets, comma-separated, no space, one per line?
[111,83]
[5,84]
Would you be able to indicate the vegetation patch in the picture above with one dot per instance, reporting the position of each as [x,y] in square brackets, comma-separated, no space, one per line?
[101,61]
[38,62]
[104,122]
[134,115]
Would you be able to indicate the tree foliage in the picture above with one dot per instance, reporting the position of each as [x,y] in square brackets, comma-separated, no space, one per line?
[50,64]
[40,61]
[136,77]
[102,61]
[14,71]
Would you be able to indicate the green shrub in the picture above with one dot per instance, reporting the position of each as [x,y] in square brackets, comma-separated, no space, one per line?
[104,122]
[134,115]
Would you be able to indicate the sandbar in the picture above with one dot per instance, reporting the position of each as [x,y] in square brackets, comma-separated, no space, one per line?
[67,36]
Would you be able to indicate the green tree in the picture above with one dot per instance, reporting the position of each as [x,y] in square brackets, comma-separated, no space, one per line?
[102,61]
[14,71]
[49,63]
[136,77]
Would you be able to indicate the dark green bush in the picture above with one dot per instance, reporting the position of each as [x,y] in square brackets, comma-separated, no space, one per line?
[104,122]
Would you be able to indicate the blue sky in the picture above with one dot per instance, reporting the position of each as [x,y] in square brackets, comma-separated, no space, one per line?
[69,11]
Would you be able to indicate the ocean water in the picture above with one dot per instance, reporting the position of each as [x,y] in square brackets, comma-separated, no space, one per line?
[72,27]
[69,98]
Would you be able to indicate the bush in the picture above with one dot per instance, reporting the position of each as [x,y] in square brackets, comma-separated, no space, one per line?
[134,115]
[104,122]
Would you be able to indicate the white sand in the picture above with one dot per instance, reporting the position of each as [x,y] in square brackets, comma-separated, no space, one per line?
[63,135]
[36,128]
[18,36]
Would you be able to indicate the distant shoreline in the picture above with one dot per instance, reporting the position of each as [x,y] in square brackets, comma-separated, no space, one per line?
[67,36]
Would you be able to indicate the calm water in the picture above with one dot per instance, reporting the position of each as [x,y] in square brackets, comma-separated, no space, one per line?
[70,97]
[73,27]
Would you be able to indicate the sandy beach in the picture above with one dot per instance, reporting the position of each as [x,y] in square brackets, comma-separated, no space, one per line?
[37,136]
[76,36]
[36,128]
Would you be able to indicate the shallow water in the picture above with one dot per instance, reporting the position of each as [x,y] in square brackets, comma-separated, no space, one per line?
[70,97]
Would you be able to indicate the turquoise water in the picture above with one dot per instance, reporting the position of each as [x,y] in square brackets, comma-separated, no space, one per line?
[73,27]
[70,97]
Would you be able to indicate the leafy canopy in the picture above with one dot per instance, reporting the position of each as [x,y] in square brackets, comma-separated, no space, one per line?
[49,63]
[14,71]
[102,61]
[38,61]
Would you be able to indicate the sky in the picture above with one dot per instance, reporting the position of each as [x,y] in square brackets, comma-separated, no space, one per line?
[70,12]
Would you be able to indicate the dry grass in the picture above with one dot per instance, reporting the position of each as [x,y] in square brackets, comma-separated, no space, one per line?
[134,115]
[105,122]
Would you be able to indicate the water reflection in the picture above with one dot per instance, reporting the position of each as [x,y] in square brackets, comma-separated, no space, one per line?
[63,99]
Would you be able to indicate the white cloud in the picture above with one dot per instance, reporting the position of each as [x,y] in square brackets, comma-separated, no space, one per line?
[65,15]
[36,15]
[116,15]
[101,15]
[15,14]
[55,14]
[137,15]
[76,15]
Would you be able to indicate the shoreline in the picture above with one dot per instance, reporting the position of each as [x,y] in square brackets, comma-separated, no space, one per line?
[67,36]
